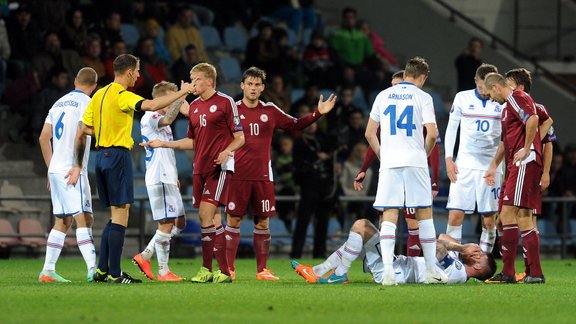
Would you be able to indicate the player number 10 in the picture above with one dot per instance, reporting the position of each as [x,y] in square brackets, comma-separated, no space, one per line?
[265,205]
[482,125]
[254,129]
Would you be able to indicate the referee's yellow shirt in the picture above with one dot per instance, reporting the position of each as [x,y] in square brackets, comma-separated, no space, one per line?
[111,114]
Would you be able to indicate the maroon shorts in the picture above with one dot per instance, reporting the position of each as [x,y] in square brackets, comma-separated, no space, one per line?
[211,187]
[259,195]
[410,213]
[522,186]
[538,210]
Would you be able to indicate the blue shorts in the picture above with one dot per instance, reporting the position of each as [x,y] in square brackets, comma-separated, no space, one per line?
[114,176]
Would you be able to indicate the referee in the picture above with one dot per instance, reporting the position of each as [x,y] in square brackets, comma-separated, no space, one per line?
[108,119]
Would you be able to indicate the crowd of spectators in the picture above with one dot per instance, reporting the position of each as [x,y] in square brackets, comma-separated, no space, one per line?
[44,43]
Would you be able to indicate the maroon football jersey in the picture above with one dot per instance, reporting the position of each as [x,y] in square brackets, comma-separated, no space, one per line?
[211,124]
[519,107]
[252,160]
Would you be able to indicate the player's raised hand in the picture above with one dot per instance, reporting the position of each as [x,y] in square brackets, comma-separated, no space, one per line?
[155,143]
[490,177]
[223,157]
[451,170]
[325,107]
[188,87]
[358,181]
[544,181]
[73,175]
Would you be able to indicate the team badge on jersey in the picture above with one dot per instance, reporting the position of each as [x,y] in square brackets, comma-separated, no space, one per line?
[87,203]
[231,205]
[171,208]
[497,109]
[213,108]
[458,265]
[471,107]
[264,118]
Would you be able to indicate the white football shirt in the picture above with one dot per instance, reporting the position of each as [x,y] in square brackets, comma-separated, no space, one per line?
[480,130]
[64,117]
[402,111]
[160,162]
[413,269]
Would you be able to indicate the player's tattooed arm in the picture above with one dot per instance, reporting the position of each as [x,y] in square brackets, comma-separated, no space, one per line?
[171,113]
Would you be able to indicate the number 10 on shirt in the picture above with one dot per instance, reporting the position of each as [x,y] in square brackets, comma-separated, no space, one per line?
[404,121]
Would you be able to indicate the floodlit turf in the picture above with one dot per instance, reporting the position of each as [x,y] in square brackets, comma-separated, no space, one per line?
[23,299]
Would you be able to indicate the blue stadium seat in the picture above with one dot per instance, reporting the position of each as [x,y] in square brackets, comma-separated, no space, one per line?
[180,127]
[306,36]
[359,100]
[296,94]
[192,228]
[572,231]
[140,190]
[210,37]
[235,38]
[230,69]
[468,230]
[440,223]
[548,236]
[183,164]
[130,34]
[136,132]
[280,236]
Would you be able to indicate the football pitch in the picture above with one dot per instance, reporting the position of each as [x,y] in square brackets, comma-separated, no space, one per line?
[24,300]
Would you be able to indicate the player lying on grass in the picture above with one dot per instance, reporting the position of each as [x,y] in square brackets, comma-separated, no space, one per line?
[364,238]
[162,184]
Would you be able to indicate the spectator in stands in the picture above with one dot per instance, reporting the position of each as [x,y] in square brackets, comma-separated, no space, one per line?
[352,133]
[388,60]
[74,33]
[317,62]
[181,68]
[313,172]
[295,13]
[110,33]
[182,33]
[152,68]
[50,15]
[24,42]
[118,48]
[467,63]
[338,118]
[284,183]
[288,60]
[310,98]
[151,29]
[92,55]
[262,50]
[276,92]
[53,55]
[351,46]
[350,169]
[43,101]
[4,55]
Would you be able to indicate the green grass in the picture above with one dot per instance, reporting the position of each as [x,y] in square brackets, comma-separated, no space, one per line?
[23,299]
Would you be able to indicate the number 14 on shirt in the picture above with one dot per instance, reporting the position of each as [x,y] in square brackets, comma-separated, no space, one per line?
[404,121]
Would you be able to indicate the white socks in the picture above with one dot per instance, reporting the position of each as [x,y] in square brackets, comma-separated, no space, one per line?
[162,246]
[175,230]
[455,232]
[333,261]
[387,242]
[53,249]
[487,240]
[149,250]
[86,246]
[428,242]
[352,249]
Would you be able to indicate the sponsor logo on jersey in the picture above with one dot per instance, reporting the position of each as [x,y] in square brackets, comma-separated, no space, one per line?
[273,208]
[471,107]
[458,265]
[505,198]
[206,192]
[195,110]
[228,237]
[212,108]
[231,205]
[264,118]
[242,117]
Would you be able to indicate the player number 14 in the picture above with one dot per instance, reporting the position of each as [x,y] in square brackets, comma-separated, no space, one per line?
[405,120]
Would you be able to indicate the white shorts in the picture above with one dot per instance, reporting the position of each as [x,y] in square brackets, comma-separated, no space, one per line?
[404,267]
[68,200]
[471,189]
[165,201]
[403,187]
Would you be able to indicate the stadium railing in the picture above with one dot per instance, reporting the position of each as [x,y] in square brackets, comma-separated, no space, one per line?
[566,237]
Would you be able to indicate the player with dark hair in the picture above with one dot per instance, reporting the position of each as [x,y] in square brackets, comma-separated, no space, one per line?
[522,150]
[253,182]
[402,112]
[413,246]
[215,132]
[364,238]
[109,119]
